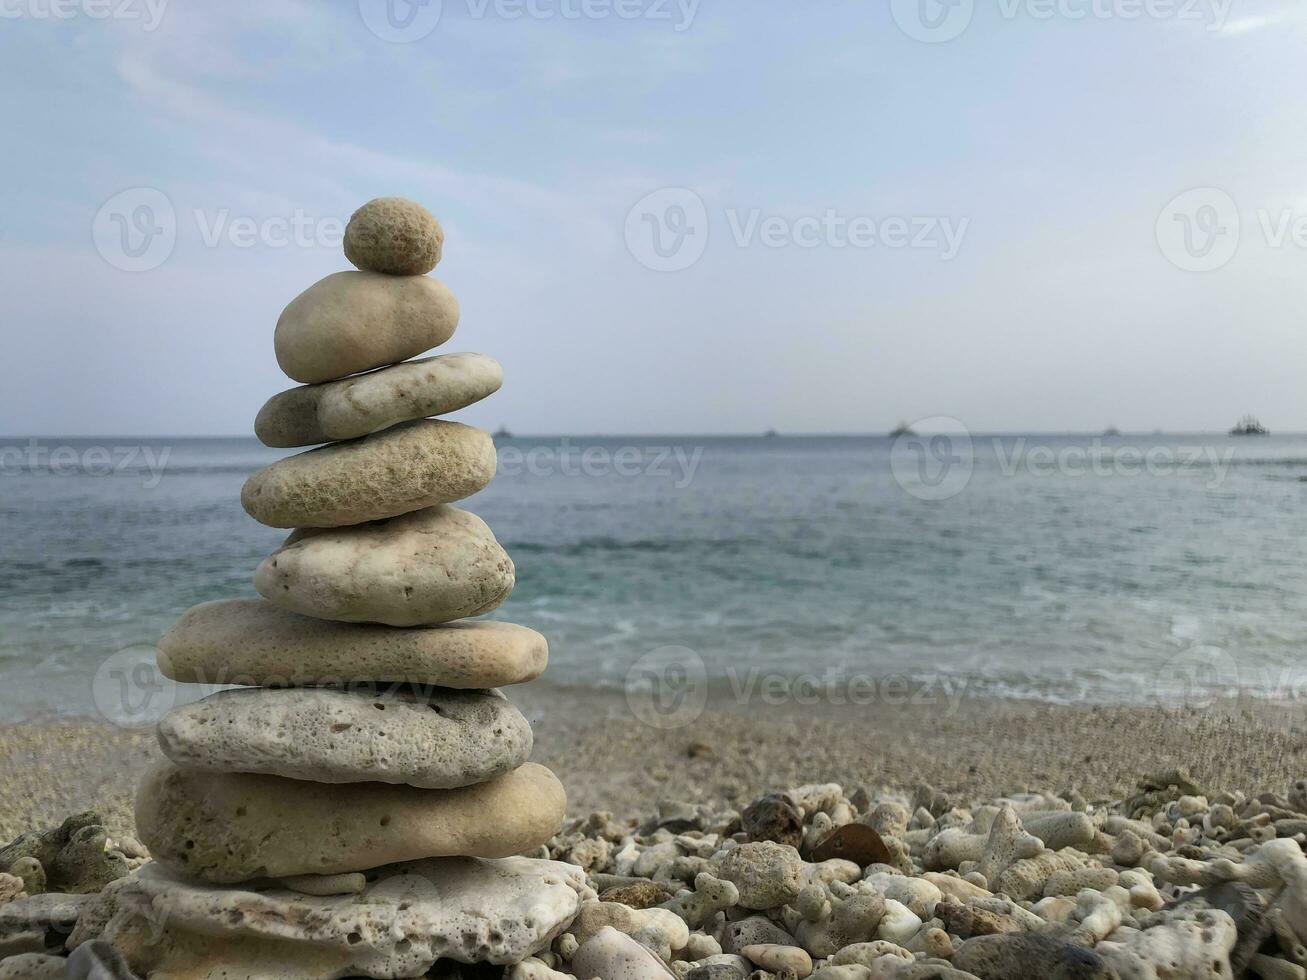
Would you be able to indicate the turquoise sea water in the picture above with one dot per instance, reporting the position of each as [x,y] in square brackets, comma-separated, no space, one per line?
[1070,567]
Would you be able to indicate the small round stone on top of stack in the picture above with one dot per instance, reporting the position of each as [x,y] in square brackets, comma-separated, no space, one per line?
[365,733]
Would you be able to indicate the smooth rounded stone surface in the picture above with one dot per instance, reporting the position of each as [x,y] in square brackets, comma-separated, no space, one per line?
[394,235]
[1005,957]
[613,955]
[424,568]
[777,959]
[352,322]
[229,827]
[368,403]
[410,915]
[252,642]
[403,469]
[434,740]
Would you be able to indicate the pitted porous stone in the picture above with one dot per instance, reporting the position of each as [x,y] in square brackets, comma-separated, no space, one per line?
[425,568]
[435,740]
[368,403]
[252,642]
[1192,943]
[406,468]
[410,915]
[230,827]
[394,235]
[351,322]
[767,874]
[33,966]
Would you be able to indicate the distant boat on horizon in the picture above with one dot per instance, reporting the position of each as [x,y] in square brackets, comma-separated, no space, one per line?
[902,429]
[771,434]
[1111,431]
[503,433]
[1250,426]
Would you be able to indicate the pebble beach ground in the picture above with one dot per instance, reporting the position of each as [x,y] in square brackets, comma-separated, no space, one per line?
[989,840]
[731,753]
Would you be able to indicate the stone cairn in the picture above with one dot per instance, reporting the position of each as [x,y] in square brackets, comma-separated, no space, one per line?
[352,807]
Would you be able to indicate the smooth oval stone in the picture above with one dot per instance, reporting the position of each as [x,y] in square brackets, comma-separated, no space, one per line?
[252,642]
[235,826]
[356,321]
[424,568]
[432,739]
[412,466]
[394,235]
[368,403]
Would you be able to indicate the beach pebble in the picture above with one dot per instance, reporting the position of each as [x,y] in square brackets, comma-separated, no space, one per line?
[424,568]
[1194,944]
[409,915]
[229,827]
[351,883]
[777,959]
[11,887]
[854,842]
[403,469]
[754,930]
[352,322]
[534,969]
[252,642]
[394,235]
[33,966]
[86,864]
[612,955]
[97,960]
[767,874]
[368,403]
[1006,957]
[432,739]
[775,818]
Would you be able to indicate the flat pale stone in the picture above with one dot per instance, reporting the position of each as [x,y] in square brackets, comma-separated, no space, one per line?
[229,827]
[252,642]
[428,567]
[368,403]
[433,739]
[394,235]
[351,322]
[403,469]
[409,915]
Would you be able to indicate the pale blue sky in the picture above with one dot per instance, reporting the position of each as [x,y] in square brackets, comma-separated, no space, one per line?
[1049,145]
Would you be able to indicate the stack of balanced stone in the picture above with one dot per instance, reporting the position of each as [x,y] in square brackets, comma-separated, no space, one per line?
[368,737]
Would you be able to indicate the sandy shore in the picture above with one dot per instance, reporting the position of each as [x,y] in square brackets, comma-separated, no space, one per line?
[609,760]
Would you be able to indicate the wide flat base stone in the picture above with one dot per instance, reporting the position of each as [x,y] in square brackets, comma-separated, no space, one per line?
[465,909]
